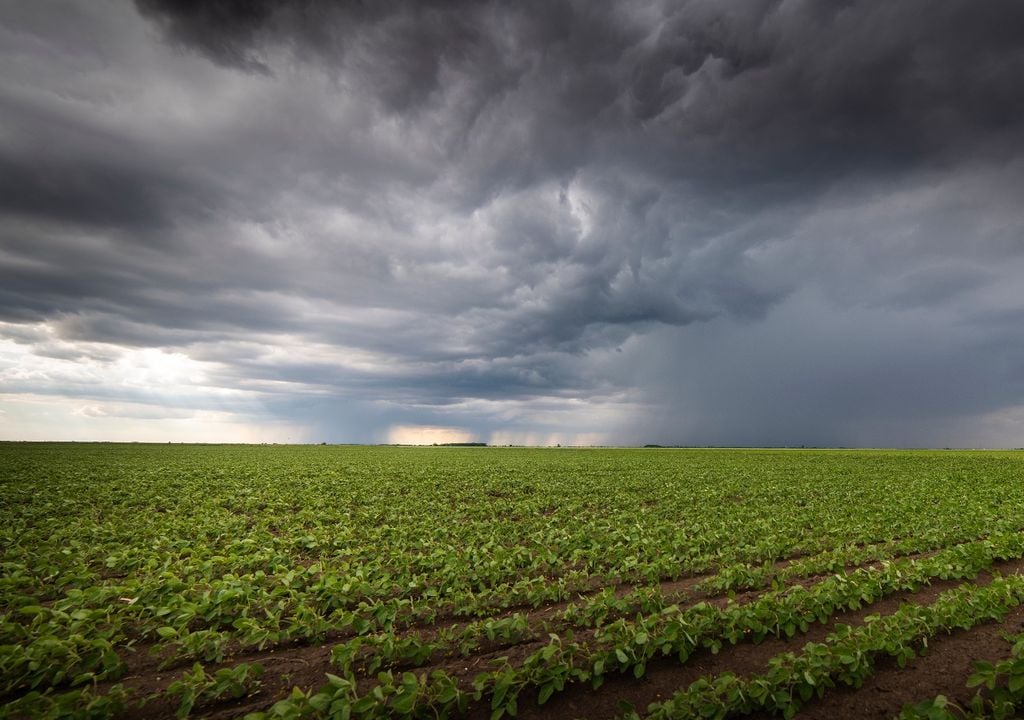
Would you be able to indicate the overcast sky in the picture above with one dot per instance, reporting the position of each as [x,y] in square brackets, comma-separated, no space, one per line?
[731,222]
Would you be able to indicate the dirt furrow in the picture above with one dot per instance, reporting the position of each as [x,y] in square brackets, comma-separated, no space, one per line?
[304,665]
[667,676]
[682,591]
[943,669]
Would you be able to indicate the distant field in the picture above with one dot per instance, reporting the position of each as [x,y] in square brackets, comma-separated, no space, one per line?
[331,581]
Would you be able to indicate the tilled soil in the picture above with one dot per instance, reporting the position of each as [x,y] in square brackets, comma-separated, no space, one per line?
[667,676]
[941,670]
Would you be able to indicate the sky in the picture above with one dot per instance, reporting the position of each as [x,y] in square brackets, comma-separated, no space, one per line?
[705,222]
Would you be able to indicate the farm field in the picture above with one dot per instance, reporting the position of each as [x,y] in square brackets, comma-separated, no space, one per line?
[163,581]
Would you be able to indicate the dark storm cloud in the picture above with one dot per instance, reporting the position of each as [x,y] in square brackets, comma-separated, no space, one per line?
[737,107]
[435,204]
[56,167]
[399,48]
[878,378]
[830,78]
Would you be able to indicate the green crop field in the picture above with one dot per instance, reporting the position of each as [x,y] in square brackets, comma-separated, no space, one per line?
[335,581]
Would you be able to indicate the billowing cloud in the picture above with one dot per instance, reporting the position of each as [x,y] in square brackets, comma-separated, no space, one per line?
[701,222]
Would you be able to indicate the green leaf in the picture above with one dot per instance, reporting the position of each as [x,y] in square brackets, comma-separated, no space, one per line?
[404,703]
[545,693]
[1016,683]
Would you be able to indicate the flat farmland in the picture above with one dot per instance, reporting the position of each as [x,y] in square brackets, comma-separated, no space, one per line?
[163,581]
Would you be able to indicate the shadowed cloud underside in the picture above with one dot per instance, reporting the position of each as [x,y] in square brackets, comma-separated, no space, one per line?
[541,222]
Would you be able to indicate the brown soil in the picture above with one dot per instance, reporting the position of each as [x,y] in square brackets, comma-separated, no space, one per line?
[140,661]
[304,667]
[299,664]
[943,669]
[667,676]
[296,667]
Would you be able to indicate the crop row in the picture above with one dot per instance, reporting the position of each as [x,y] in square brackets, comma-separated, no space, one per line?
[846,657]
[203,553]
[621,645]
[68,642]
[729,624]
[627,646]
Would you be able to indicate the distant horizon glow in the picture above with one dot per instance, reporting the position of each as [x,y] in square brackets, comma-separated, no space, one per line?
[427,435]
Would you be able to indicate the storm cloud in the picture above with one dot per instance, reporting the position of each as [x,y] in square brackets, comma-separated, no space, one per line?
[685,223]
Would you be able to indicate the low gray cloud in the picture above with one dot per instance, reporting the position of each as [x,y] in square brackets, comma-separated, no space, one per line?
[633,220]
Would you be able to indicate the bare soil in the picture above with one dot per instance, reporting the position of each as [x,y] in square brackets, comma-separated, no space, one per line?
[667,676]
[943,669]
